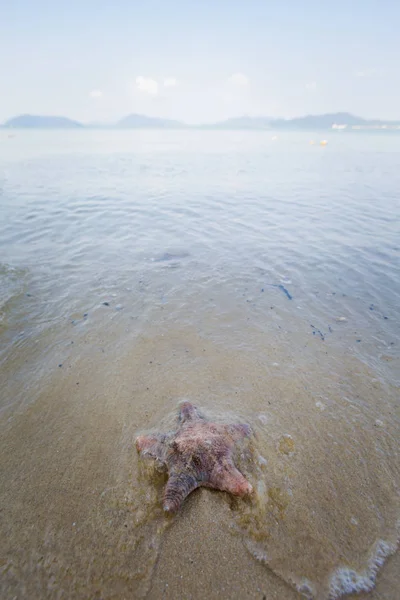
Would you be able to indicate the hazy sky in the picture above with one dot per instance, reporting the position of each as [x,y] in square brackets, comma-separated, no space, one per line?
[199,60]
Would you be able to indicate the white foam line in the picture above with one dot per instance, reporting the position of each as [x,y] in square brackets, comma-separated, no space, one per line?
[347,581]
[343,580]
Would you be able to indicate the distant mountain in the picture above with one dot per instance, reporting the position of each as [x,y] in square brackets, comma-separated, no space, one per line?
[340,120]
[39,122]
[319,121]
[329,121]
[242,123]
[142,122]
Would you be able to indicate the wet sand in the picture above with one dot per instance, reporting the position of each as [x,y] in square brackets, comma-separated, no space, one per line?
[215,565]
[81,514]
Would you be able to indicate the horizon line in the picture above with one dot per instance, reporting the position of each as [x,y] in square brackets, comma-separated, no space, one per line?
[196,124]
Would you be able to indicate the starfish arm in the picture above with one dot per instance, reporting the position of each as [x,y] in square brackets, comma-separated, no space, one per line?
[228,479]
[188,412]
[239,431]
[178,487]
[150,445]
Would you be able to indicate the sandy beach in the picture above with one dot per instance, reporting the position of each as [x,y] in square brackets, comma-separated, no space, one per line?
[82,513]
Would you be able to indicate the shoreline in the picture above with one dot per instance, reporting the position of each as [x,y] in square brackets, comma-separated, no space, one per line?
[84,517]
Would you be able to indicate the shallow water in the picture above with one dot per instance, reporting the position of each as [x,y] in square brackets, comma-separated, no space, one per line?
[258,278]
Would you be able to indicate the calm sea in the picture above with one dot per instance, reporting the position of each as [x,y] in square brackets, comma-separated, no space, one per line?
[284,255]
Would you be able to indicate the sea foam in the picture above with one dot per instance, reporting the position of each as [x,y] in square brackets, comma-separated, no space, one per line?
[343,580]
[347,581]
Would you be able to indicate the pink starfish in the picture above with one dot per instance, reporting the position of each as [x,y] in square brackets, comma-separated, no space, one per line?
[198,454]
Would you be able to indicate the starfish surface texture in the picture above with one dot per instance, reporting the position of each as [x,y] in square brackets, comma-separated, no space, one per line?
[198,454]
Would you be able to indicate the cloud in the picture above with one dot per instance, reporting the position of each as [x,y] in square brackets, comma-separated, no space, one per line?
[312,86]
[366,73]
[96,94]
[239,79]
[170,82]
[147,85]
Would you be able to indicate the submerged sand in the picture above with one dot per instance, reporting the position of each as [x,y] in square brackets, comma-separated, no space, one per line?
[81,514]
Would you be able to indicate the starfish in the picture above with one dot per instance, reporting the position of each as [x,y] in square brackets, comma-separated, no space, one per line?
[198,454]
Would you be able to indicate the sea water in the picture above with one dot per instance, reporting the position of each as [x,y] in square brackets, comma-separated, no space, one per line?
[260,278]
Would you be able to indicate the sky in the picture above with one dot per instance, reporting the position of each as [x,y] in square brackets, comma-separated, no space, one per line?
[199,60]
